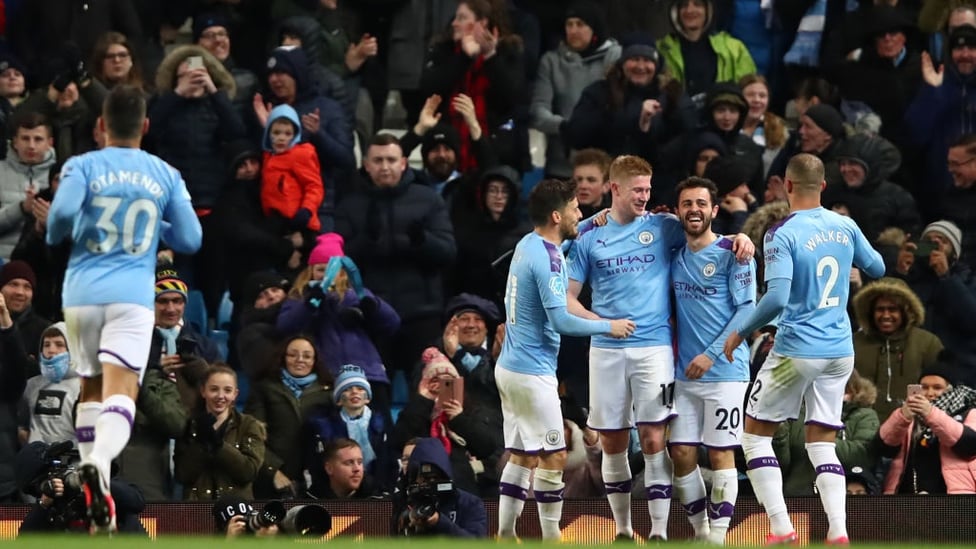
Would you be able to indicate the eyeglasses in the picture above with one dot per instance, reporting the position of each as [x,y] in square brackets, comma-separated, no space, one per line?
[213,35]
[960,163]
[119,56]
[307,357]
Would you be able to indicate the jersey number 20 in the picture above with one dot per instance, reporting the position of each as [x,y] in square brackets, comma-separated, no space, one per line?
[109,205]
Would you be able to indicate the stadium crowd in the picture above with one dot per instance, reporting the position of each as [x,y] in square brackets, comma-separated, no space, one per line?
[341,288]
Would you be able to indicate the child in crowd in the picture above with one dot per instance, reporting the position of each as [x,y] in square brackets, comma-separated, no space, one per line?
[291,184]
[46,411]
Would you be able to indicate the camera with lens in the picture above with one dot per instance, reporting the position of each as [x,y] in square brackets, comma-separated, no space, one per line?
[57,462]
[270,515]
[422,495]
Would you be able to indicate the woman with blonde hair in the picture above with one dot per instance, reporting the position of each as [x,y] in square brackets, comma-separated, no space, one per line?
[765,128]
[328,300]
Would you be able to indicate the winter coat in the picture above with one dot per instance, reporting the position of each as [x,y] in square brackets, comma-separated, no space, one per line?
[402,240]
[48,262]
[855,446]
[13,379]
[892,362]
[886,88]
[190,133]
[563,74]
[346,339]
[160,416]
[413,26]
[72,127]
[877,203]
[276,406]
[15,178]
[326,425]
[959,206]
[229,467]
[30,326]
[957,448]
[292,179]
[197,352]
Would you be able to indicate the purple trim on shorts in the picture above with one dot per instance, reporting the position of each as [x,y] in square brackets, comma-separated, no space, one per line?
[679,443]
[766,461]
[85,434]
[118,410]
[730,447]
[662,422]
[827,425]
[512,491]
[834,468]
[122,360]
[658,491]
[722,509]
[549,496]
[617,430]
[534,452]
[791,418]
[695,507]
[619,487]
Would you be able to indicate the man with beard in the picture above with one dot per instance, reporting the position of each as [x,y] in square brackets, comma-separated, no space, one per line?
[626,262]
[535,299]
[713,293]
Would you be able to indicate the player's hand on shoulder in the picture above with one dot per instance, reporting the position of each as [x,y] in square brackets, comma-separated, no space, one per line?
[622,328]
[698,366]
[743,247]
[600,219]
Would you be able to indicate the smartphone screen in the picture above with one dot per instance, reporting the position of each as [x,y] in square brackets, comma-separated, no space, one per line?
[914,389]
[452,388]
[194,62]
[925,248]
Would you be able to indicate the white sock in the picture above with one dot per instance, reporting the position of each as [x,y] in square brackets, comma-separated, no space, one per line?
[767,481]
[85,418]
[725,490]
[513,488]
[690,490]
[832,485]
[112,430]
[657,479]
[618,482]
[548,488]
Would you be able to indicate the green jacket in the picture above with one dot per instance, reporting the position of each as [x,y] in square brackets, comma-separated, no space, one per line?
[856,445]
[230,468]
[734,60]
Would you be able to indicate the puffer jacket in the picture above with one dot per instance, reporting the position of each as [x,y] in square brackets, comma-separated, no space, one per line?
[15,178]
[892,362]
[957,448]
[877,203]
[190,133]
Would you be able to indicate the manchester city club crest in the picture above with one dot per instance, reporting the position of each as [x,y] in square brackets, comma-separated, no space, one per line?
[552,437]
[645,237]
[708,270]
[556,286]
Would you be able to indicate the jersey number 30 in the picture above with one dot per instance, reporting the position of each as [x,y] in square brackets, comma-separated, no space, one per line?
[828,263]
[140,208]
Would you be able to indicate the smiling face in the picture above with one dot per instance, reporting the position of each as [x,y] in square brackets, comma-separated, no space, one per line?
[169,309]
[695,210]
[12,83]
[757,97]
[813,139]
[889,44]
[219,393]
[964,57]
[692,14]
[472,331]
[216,40]
[962,167]
[933,386]
[18,293]
[464,22]
[300,358]
[852,172]
[353,400]
[283,86]
[633,194]
[888,316]
[571,216]
[639,71]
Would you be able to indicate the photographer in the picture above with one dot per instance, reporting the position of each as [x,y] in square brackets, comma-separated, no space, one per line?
[234,517]
[48,472]
[428,503]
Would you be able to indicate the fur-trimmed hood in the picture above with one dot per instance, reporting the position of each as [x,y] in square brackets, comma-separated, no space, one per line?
[166,74]
[913,312]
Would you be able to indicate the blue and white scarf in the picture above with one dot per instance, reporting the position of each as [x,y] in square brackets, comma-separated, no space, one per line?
[297,384]
[358,430]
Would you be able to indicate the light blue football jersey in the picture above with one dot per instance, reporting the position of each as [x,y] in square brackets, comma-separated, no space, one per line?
[628,269]
[116,204]
[815,249]
[709,286]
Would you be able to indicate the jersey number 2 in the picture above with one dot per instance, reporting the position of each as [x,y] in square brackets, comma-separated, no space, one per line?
[828,262]
[109,205]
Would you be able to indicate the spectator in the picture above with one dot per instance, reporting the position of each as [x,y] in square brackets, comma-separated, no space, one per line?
[473,442]
[891,349]
[940,112]
[400,236]
[291,179]
[591,169]
[324,123]
[345,473]
[482,59]
[932,436]
[193,119]
[13,90]
[875,203]
[14,371]
[855,441]
[486,233]
[958,203]
[46,411]
[179,349]
[114,62]
[697,55]
[222,450]
[820,134]
[23,174]
[472,341]
[211,31]
[736,203]
[256,317]
[329,301]
[634,110]
[933,20]
[582,57]
[946,288]
[353,418]
[282,397]
[17,282]
[341,52]
[766,128]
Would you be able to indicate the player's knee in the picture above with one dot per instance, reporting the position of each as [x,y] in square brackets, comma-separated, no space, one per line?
[552,477]
[721,459]
[553,460]
[685,458]
[614,442]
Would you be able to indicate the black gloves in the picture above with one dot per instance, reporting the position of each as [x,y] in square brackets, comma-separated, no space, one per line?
[206,433]
[301,218]
[368,305]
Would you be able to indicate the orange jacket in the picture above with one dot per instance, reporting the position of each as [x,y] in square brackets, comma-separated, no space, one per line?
[292,180]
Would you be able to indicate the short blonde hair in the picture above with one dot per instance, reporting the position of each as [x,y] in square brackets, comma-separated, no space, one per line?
[626,167]
[806,172]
